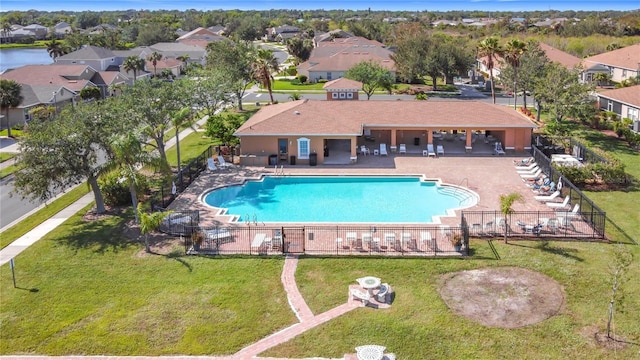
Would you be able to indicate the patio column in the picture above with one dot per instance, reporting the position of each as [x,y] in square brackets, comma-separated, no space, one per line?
[393,137]
[469,137]
[429,136]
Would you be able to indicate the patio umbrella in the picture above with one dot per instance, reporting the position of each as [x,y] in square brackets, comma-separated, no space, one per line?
[174,189]
[560,184]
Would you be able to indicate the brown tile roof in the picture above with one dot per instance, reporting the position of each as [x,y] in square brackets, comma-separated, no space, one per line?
[316,117]
[344,61]
[167,63]
[52,75]
[343,83]
[567,60]
[629,95]
[625,58]
[350,41]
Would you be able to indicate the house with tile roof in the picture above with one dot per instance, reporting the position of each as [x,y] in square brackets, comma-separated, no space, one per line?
[622,64]
[97,57]
[56,84]
[201,34]
[319,131]
[625,102]
[563,58]
[331,60]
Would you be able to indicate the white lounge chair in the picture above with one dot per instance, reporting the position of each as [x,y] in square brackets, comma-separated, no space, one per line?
[440,150]
[364,150]
[403,149]
[526,168]
[531,176]
[530,171]
[211,165]
[547,197]
[575,212]
[563,204]
[498,149]
[430,150]
[223,164]
[217,234]
[383,150]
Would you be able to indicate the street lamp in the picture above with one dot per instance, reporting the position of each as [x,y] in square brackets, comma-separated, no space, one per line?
[55,104]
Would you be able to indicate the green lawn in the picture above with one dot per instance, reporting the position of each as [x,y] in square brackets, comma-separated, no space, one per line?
[81,303]
[286,85]
[8,171]
[38,44]
[6,156]
[190,147]
[37,218]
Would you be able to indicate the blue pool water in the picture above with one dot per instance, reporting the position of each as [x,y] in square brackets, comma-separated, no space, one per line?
[340,199]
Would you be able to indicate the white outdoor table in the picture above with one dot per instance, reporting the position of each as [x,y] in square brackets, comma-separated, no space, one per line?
[370,352]
[369,283]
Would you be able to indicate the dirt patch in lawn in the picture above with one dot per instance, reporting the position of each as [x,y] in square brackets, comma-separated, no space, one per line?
[505,297]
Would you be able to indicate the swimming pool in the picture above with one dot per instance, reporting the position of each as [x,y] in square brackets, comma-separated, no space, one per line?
[340,199]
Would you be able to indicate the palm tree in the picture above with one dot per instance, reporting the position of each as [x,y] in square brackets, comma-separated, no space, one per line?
[184,58]
[263,66]
[490,47]
[135,64]
[127,156]
[55,48]
[10,96]
[506,202]
[602,78]
[513,51]
[6,31]
[180,119]
[149,223]
[154,58]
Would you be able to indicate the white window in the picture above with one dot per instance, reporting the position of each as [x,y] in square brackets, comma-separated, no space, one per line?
[349,95]
[329,76]
[609,105]
[343,95]
[334,95]
[303,148]
[632,114]
[624,73]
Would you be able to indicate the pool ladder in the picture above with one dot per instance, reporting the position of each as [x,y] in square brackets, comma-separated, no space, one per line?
[276,172]
[458,188]
[248,220]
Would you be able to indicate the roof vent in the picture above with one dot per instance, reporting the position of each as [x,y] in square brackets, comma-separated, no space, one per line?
[297,112]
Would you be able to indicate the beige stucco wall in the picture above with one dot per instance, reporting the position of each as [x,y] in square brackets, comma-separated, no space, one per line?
[264,146]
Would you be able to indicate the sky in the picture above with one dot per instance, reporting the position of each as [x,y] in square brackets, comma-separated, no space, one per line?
[410,5]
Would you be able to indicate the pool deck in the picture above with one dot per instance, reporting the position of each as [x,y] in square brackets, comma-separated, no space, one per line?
[489,177]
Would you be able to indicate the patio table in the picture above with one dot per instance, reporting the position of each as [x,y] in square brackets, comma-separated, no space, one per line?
[369,283]
[370,352]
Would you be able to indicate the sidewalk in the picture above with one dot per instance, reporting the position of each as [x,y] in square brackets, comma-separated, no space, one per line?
[15,248]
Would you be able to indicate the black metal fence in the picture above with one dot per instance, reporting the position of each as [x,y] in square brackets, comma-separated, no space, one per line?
[563,223]
[162,197]
[588,210]
[394,241]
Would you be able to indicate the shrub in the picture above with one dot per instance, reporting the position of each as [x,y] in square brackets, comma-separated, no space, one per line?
[302,78]
[322,81]
[292,71]
[115,190]
[295,82]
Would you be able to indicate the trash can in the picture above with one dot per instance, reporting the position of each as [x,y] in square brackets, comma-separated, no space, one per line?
[326,151]
[313,159]
[416,141]
[292,160]
[273,159]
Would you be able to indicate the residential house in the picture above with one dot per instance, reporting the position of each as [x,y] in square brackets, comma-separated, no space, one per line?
[19,32]
[61,29]
[622,64]
[170,64]
[555,55]
[200,34]
[99,58]
[330,36]
[48,85]
[331,60]
[281,33]
[317,131]
[102,28]
[171,50]
[39,31]
[625,102]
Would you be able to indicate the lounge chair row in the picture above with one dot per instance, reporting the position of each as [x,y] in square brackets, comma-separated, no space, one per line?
[222,164]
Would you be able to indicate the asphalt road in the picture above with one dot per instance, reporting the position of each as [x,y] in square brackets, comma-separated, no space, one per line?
[12,207]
